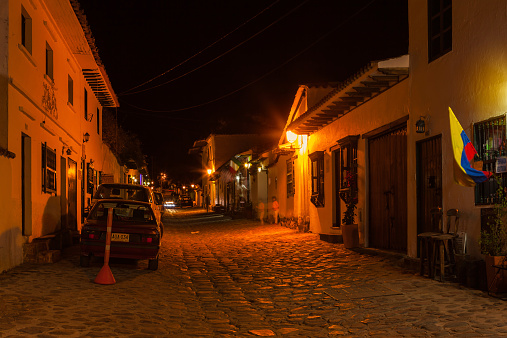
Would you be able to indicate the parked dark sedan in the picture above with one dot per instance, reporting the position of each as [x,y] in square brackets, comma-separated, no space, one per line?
[136,233]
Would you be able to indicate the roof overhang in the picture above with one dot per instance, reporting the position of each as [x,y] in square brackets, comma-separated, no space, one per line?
[73,27]
[370,82]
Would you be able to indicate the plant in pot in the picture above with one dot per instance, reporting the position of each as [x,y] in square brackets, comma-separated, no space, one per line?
[350,231]
[493,242]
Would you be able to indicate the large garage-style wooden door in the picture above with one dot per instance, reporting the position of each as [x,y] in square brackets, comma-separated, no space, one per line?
[388,190]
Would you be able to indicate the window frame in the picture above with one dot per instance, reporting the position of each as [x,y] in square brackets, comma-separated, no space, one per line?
[49,62]
[317,178]
[98,121]
[26,30]
[70,90]
[49,174]
[85,104]
[439,12]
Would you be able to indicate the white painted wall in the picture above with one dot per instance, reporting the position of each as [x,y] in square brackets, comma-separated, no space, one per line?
[471,79]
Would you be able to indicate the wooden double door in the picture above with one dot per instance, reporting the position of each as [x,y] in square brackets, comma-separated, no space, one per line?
[387,155]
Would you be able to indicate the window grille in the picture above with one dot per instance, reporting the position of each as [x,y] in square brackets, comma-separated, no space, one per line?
[290,177]
[490,143]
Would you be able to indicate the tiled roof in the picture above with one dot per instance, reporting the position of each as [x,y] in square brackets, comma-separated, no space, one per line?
[366,84]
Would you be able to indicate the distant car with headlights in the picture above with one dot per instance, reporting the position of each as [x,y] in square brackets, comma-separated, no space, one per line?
[133,192]
[136,232]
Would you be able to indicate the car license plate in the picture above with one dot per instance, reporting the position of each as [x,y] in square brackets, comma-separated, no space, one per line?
[119,237]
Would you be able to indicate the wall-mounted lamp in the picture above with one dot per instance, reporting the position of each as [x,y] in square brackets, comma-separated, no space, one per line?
[248,165]
[291,136]
[69,152]
[86,138]
[259,169]
[209,171]
[420,126]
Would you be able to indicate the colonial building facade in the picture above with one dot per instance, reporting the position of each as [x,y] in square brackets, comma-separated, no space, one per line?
[53,88]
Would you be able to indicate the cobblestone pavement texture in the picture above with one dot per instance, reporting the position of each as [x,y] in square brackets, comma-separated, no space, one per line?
[237,278]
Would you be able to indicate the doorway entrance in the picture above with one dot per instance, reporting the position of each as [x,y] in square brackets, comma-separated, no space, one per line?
[387,157]
[429,181]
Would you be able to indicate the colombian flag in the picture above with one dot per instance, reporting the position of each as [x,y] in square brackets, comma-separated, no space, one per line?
[464,152]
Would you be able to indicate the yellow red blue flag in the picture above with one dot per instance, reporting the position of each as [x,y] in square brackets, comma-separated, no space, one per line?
[464,152]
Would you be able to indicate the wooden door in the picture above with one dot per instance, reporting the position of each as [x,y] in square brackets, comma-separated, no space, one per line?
[388,190]
[429,181]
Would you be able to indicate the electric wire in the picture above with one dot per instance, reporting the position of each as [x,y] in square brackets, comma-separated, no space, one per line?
[219,56]
[259,78]
[201,51]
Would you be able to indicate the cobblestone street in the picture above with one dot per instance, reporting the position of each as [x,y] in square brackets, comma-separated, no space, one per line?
[219,277]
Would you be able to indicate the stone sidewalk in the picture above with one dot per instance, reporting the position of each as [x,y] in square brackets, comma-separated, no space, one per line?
[236,278]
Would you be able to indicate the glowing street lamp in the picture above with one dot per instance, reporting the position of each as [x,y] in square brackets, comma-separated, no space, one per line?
[291,136]
[209,171]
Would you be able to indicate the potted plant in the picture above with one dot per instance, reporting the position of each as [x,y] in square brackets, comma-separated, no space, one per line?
[350,231]
[493,242]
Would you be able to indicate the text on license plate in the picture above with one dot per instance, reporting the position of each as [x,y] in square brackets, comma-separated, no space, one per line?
[119,237]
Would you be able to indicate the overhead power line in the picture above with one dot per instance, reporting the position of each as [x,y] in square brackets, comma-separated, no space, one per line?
[218,57]
[199,52]
[262,76]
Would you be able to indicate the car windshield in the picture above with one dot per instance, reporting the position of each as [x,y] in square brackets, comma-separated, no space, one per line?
[121,192]
[122,211]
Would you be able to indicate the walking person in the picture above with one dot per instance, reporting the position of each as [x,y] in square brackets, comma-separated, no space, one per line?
[260,209]
[207,203]
[275,206]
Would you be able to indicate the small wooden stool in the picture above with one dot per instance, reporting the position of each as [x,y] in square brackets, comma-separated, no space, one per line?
[426,242]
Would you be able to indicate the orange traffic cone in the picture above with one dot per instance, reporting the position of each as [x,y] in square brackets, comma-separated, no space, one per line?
[105,275]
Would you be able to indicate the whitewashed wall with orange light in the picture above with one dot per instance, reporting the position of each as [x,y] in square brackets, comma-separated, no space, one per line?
[471,79]
[379,111]
[39,112]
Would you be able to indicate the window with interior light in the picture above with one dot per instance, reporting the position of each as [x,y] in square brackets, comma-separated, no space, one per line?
[48,169]
[439,28]
[26,30]
[317,174]
[490,143]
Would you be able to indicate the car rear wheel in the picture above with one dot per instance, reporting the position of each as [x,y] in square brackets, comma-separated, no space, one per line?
[84,261]
[153,264]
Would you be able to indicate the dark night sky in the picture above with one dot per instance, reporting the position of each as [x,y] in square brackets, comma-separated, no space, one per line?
[307,41]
